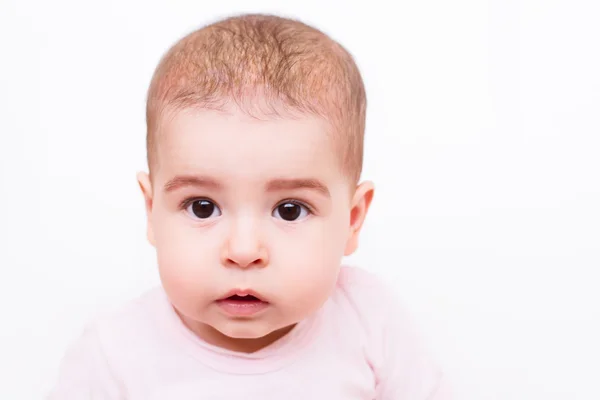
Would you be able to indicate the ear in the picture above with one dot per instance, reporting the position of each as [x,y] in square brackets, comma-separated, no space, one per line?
[146,186]
[359,207]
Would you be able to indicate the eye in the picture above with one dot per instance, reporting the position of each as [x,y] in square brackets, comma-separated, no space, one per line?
[203,209]
[291,211]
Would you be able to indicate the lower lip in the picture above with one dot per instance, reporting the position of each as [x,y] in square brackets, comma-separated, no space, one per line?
[242,308]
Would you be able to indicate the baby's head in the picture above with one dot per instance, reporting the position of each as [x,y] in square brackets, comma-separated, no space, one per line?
[255,141]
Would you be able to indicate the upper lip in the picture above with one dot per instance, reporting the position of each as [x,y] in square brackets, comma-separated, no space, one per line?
[242,293]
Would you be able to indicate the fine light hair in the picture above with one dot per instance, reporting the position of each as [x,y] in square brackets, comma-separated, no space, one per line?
[268,66]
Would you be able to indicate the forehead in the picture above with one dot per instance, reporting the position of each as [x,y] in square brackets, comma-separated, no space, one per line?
[235,146]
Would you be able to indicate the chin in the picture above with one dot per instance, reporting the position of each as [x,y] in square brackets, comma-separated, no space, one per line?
[244,330]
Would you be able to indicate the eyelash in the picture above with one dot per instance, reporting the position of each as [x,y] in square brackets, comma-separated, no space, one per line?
[186,203]
[298,203]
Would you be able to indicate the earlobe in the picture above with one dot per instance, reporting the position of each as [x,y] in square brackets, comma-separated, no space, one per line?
[146,187]
[361,202]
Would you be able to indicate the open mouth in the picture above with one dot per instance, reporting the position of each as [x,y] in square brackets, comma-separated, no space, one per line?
[243,295]
[247,298]
[242,304]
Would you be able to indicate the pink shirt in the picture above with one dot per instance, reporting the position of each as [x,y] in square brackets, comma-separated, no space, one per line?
[360,345]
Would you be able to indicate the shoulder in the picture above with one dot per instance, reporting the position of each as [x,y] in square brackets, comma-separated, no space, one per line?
[392,340]
[120,335]
[366,294]
[372,305]
[134,314]
[92,363]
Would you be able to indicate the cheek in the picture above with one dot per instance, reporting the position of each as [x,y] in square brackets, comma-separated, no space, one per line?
[328,239]
[315,246]
[308,261]
[184,258]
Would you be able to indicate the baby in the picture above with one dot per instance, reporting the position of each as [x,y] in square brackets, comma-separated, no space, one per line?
[255,128]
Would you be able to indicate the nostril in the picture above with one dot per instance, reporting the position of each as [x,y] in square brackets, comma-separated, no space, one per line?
[246,262]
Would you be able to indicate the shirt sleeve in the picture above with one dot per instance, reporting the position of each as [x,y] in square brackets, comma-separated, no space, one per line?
[84,373]
[403,366]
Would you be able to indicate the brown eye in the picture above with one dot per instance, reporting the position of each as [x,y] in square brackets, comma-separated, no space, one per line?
[203,209]
[290,211]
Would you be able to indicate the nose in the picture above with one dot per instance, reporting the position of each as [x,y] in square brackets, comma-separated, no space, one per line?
[244,247]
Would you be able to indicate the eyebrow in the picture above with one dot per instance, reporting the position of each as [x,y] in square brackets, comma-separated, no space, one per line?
[182,181]
[290,184]
[274,185]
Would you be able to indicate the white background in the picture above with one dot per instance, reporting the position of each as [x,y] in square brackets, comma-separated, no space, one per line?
[483,138]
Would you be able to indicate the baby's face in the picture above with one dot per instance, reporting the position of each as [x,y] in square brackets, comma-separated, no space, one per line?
[242,206]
